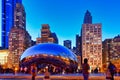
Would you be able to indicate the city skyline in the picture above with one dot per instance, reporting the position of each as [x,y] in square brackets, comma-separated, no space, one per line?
[67,16]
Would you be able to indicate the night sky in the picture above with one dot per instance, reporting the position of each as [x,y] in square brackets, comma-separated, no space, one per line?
[65,17]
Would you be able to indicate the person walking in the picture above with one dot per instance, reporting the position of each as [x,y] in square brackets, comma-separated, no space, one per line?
[85,68]
[112,69]
[33,71]
[108,75]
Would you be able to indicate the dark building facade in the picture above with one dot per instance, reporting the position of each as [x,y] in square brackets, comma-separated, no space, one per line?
[78,50]
[46,35]
[78,45]
[111,49]
[19,38]
[106,50]
[8,7]
[33,43]
[55,37]
[67,43]
[111,52]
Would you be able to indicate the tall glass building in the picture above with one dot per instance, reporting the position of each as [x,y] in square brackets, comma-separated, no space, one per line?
[67,43]
[7,19]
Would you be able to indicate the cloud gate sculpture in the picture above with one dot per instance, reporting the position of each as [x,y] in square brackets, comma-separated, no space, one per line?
[49,53]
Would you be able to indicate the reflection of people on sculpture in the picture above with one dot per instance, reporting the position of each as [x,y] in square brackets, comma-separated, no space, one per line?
[25,70]
[47,74]
[96,70]
[33,71]
[21,69]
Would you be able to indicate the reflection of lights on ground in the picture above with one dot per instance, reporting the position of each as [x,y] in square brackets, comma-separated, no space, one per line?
[90,69]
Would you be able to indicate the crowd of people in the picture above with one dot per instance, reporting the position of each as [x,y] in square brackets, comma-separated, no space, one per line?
[110,72]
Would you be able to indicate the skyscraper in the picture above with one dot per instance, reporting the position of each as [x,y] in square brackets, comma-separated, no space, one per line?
[91,42]
[106,50]
[46,35]
[78,45]
[111,49]
[19,16]
[67,43]
[55,37]
[19,38]
[8,7]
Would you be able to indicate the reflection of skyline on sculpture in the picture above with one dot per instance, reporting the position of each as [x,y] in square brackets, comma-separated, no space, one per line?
[59,17]
[49,53]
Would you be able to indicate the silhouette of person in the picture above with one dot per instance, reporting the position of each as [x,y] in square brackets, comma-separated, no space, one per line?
[112,69]
[33,71]
[108,75]
[85,68]
[96,70]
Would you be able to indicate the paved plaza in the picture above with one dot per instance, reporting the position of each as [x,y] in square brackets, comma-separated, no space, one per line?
[54,77]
